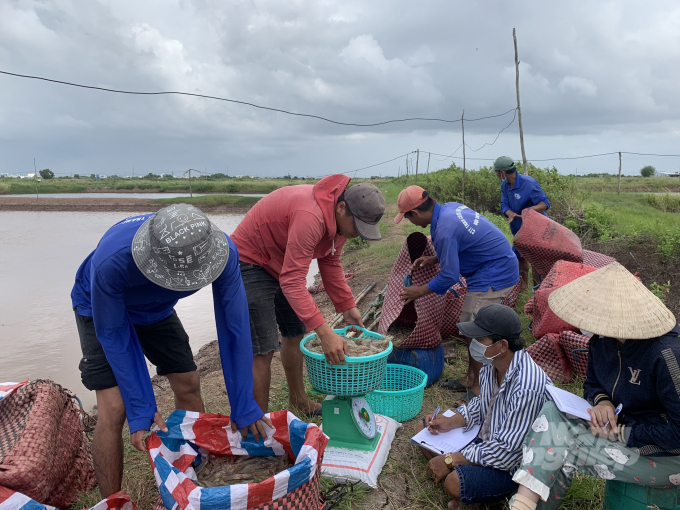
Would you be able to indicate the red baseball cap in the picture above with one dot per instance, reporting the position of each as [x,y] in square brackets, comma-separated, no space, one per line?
[409,199]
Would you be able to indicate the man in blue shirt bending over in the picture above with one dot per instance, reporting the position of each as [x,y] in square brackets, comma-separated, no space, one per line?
[124,299]
[469,245]
[519,192]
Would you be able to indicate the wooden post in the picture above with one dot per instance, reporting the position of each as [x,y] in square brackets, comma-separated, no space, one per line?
[417,158]
[519,110]
[462,193]
[619,191]
[191,194]
[427,175]
[35,178]
[407,170]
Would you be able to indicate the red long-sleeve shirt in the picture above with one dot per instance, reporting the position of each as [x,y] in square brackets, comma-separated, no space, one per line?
[288,228]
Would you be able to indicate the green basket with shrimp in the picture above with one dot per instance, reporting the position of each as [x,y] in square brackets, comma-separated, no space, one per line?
[401,394]
[358,376]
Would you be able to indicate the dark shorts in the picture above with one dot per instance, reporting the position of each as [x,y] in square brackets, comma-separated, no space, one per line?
[268,308]
[165,345]
[479,484]
[514,250]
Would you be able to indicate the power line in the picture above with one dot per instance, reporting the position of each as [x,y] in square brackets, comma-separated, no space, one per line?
[363,168]
[495,139]
[117,91]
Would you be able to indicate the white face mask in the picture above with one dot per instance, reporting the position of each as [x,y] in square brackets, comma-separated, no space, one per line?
[478,352]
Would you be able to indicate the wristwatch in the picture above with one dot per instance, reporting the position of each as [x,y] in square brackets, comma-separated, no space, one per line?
[448,460]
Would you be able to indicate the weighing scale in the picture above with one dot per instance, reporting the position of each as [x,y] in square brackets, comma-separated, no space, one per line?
[349,423]
[347,416]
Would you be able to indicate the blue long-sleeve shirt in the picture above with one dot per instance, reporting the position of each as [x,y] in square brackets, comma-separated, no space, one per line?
[468,244]
[110,288]
[526,192]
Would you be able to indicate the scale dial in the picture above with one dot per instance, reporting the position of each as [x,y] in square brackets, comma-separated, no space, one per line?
[362,414]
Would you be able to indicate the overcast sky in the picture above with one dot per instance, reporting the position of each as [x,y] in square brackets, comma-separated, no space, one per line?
[594,77]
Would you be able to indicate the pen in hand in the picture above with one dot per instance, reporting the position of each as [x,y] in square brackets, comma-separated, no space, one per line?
[616,413]
[436,411]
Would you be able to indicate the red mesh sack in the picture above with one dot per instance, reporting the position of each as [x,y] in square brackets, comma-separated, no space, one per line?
[453,306]
[598,260]
[574,345]
[511,299]
[544,321]
[424,314]
[530,307]
[548,354]
[543,242]
[44,452]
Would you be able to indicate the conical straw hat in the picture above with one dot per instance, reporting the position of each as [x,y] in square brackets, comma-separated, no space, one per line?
[611,302]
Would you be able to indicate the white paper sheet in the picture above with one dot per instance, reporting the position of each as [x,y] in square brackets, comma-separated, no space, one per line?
[446,442]
[570,403]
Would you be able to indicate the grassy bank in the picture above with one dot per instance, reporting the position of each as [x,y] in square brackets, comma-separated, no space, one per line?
[211,200]
[10,186]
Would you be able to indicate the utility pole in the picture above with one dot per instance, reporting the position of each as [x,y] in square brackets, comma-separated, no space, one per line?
[519,110]
[190,192]
[417,158]
[427,174]
[462,193]
[619,191]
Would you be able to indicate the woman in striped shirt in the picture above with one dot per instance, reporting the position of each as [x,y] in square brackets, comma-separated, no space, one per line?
[512,393]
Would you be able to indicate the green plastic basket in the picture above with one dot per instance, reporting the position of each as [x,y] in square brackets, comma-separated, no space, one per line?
[357,377]
[401,394]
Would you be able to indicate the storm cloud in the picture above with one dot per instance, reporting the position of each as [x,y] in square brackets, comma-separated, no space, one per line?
[595,77]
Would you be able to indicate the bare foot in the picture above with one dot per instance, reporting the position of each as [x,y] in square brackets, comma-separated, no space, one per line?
[454,504]
[307,406]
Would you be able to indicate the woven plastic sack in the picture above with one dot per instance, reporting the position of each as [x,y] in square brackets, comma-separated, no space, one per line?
[425,314]
[192,436]
[511,299]
[544,320]
[575,347]
[44,453]
[543,242]
[12,500]
[598,260]
[548,354]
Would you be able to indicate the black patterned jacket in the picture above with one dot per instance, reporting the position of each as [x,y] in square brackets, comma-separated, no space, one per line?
[644,376]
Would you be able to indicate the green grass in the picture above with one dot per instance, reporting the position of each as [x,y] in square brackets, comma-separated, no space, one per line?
[633,214]
[211,200]
[629,184]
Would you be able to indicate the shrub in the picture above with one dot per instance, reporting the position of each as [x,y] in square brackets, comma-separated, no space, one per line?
[669,244]
[667,203]
[46,173]
[647,171]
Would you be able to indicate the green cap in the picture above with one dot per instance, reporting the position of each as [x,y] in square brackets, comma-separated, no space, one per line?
[504,164]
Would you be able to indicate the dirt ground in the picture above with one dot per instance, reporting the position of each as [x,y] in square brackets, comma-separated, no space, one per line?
[651,267]
[404,482]
[99,205]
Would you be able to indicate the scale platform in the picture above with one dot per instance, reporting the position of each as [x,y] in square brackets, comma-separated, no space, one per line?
[349,423]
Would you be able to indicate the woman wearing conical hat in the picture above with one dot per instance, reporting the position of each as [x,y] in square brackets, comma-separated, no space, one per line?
[633,368]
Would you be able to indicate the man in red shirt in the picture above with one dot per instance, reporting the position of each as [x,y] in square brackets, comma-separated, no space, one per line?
[277,241]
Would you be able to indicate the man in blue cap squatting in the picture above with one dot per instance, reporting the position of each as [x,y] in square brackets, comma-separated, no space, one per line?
[519,192]
[124,299]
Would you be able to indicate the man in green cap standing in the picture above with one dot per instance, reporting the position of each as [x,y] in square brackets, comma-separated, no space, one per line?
[519,192]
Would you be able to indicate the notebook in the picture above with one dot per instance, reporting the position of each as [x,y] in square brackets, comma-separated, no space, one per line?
[446,442]
[569,403]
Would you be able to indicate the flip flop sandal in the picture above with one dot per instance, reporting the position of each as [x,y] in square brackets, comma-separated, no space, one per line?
[453,385]
[469,395]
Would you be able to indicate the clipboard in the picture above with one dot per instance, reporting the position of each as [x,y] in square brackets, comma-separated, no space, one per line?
[446,442]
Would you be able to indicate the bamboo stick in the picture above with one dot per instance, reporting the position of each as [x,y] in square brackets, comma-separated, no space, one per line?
[338,317]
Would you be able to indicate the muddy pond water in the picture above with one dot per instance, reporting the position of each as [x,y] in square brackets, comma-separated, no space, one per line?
[39,255]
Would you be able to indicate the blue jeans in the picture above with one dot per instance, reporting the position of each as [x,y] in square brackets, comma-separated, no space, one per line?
[480,484]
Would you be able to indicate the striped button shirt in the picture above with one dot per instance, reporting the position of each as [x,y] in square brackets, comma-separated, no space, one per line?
[519,400]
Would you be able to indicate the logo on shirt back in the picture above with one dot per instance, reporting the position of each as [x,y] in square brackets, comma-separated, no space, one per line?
[518,196]
[634,374]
